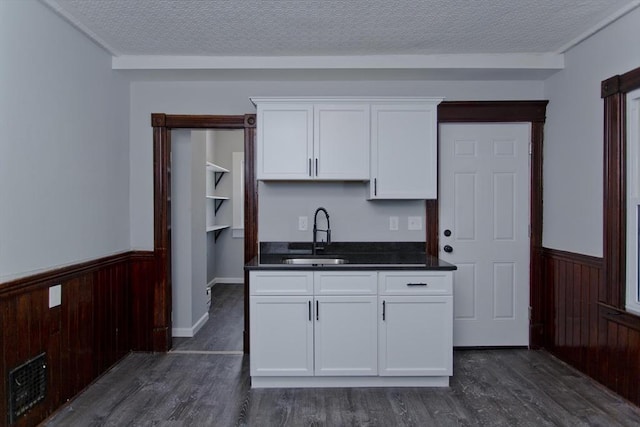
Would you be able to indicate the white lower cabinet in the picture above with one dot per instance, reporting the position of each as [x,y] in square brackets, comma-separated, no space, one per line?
[281,336]
[346,338]
[416,325]
[413,339]
[350,328]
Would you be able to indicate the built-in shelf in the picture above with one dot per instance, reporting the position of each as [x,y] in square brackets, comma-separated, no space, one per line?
[215,168]
[218,171]
[216,227]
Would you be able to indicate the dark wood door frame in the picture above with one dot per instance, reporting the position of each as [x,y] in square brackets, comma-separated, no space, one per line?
[533,112]
[614,93]
[448,112]
[162,125]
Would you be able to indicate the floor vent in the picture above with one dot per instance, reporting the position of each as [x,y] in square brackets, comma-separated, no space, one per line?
[27,386]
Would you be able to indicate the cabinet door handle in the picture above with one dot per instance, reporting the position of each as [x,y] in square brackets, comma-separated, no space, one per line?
[375,186]
[310,167]
[417,284]
[317,311]
[316,166]
[384,310]
[309,311]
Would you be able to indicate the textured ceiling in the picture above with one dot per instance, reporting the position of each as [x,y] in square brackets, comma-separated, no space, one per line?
[335,27]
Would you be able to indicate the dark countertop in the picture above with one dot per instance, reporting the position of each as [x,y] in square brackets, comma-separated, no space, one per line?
[360,256]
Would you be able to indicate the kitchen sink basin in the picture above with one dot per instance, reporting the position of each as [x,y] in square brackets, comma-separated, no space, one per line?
[314,261]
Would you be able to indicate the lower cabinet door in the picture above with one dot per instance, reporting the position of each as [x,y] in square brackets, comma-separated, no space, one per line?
[281,334]
[346,336]
[415,335]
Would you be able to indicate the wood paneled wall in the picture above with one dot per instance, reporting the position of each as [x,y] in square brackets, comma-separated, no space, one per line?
[105,312]
[585,331]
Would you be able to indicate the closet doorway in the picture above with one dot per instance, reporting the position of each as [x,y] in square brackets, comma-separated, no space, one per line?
[163,124]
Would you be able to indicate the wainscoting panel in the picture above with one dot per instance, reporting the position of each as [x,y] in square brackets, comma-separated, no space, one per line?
[583,330]
[105,312]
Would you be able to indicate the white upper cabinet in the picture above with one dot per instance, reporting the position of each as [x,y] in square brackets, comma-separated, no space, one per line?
[390,142]
[404,154]
[341,141]
[285,141]
[312,139]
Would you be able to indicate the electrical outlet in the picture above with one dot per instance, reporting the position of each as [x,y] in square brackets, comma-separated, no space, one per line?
[414,223]
[393,223]
[55,295]
[303,223]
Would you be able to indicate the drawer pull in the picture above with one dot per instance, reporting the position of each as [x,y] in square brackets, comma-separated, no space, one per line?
[416,284]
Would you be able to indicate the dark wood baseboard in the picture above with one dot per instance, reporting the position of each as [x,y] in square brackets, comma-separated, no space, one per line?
[106,311]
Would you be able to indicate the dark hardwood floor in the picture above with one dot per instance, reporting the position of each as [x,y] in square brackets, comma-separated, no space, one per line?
[196,388]
[223,330]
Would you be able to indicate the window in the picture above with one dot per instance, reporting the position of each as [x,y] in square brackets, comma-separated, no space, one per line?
[633,202]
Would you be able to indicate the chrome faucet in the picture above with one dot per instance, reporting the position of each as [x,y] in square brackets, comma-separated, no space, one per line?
[315,246]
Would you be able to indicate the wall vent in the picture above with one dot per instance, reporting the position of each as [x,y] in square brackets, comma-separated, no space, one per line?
[27,386]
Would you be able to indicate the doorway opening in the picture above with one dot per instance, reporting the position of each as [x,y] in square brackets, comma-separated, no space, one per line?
[163,124]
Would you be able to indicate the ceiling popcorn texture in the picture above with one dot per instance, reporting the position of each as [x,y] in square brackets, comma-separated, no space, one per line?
[334,27]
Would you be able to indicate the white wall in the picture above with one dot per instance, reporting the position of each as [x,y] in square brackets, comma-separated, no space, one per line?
[573,150]
[229,254]
[188,248]
[232,97]
[64,148]
[352,216]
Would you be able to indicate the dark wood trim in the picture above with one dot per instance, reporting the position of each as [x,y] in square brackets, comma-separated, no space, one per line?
[621,317]
[630,81]
[492,111]
[614,90]
[162,234]
[162,125]
[432,228]
[533,112]
[178,121]
[51,277]
[587,260]
[250,212]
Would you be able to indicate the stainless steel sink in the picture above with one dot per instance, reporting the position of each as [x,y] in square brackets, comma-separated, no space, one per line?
[314,261]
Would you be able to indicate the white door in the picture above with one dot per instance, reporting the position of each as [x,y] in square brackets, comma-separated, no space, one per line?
[484,230]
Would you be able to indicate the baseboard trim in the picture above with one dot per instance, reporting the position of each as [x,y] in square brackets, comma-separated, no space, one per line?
[226,280]
[190,332]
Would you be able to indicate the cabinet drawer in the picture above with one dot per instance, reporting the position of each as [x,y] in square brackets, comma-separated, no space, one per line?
[281,283]
[345,283]
[415,283]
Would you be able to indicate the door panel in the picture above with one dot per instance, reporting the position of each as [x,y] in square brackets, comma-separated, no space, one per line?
[484,201]
[346,338]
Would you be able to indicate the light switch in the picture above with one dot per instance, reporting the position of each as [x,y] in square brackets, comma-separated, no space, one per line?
[414,223]
[55,296]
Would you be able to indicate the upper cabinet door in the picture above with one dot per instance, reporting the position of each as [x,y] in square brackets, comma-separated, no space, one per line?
[341,141]
[285,141]
[404,155]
